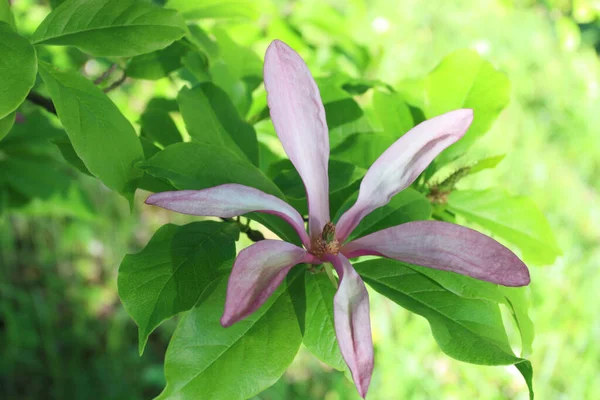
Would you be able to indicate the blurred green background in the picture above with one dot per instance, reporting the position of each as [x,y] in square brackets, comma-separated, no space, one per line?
[64,333]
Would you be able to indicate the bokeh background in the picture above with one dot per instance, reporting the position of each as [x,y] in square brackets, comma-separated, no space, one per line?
[65,335]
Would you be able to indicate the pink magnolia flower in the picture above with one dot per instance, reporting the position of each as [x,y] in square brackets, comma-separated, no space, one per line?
[299,118]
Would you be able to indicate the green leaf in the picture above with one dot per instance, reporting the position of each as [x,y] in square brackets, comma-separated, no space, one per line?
[35,176]
[466,329]
[70,156]
[319,335]
[111,28]
[486,163]
[101,136]
[210,117]
[6,124]
[243,61]
[408,205]
[205,360]
[159,63]
[515,219]
[173,270]
[362,149]
[6,14]
[517,299]
[18,68]
[193,165]
[341,112]
[462,80]
[393,113]
[158,126]
[216,9]
[526,370]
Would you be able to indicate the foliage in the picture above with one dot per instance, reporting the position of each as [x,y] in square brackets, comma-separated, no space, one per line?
[204,123]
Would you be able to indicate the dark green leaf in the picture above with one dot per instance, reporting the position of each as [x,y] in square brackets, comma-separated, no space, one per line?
[469,330]
[462,80]
[158,126]
[35,176]
[18,68]
[101,136]
[210,117]
[342,112]
[515,219]
[70,156]
[119,28]
[319,336]
[205,360]
[6,124]
[159,63]
[408,205]
[526,370]
[173,270]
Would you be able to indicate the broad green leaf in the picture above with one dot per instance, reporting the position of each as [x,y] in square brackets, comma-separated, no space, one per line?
[486,163]
[242,61]
[462,80]
[159,63]
[202,41]
[362,149]
[210,117]
[18,68]
[189,166]
[35,176]
[319,334]
[408,205]
[158,126]
[101,136]
[206,361]
[173,270]
[111,28]
[215,9]
[69,154]
[466,329]
[526,370]
[515,219]
[6,124]
[149,182]
[393,113]
[6,14]
[341,112]
[341,176]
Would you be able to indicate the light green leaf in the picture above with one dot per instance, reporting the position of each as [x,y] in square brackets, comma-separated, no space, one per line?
[462,80]
[393,113]
[158,126]
[6,14]
[18,68]
[111,28]
[159,63]
[210,117]
[486,163]
[466,329]
[515,219]
[206,361]
[101,136]
[408,205]
[319,334]
[173,270]
[216,9]
[517,299]
[6,124]
[243,61]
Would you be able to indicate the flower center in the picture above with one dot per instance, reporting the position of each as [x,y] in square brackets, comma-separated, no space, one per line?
[326,243]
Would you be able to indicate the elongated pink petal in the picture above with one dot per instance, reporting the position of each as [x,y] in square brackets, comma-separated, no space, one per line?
[257,272]
[299,118]
[353,323]
[444,246]
[402,163]
[229,200]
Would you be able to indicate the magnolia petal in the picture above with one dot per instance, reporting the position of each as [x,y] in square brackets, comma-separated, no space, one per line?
[402,163]
[257,272]
[353,323]
[299,118]
[229,200]
[444,246]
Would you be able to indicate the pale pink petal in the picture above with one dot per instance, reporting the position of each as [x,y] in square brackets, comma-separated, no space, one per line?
[444,246]
[299,118]
[402,163]
[353,323]
[257,272]
[229,200]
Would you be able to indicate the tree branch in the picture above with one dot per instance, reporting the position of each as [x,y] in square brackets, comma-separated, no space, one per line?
[255,236]
[42,101]
[116,83]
